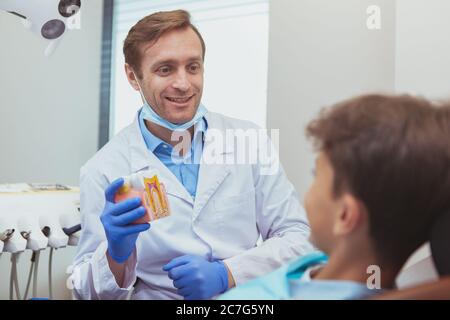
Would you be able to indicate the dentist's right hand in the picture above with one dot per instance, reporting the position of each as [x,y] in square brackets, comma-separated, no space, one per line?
[117,218]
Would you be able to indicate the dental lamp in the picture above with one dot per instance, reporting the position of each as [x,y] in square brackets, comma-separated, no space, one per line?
[49,19]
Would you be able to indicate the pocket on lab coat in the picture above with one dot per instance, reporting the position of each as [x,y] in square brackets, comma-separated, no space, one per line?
[237,219]
[236,201]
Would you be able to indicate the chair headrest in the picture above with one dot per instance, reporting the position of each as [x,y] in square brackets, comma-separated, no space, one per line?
[440,244]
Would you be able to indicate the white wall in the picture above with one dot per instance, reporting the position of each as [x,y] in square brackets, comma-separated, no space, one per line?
[320,51]
[423,48]
[49,111]
[49,106]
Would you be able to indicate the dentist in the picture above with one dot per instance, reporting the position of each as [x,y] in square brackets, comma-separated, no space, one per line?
[219,209]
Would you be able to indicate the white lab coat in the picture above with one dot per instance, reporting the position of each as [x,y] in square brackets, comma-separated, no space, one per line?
[234,205]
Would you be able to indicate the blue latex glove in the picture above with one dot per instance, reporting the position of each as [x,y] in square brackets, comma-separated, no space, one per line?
[197,278]
[116,219]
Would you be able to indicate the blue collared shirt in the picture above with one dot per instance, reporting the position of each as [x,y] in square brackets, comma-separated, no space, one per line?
[184,168]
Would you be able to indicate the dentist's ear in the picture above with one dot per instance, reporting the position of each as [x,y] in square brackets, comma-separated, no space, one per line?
[350,217]
[131,76]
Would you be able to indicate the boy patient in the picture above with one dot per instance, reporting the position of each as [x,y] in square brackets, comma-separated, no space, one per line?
[382,176]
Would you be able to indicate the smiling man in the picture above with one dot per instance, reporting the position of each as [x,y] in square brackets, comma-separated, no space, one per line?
[219,210]
[173,98]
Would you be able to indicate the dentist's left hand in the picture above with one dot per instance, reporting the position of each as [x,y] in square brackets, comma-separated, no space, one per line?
[197,278]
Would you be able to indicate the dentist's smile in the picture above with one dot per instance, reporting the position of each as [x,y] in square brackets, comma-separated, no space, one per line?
[180,101]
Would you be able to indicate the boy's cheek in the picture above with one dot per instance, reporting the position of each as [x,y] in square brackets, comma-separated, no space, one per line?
[307,202]
[312,239]
[314,236]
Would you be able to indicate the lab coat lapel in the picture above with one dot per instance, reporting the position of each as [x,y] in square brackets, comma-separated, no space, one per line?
[141,158]
[210,176]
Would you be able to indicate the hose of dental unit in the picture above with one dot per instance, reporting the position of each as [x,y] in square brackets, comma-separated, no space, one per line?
[34,266]
[46,231]
[50,261]
[35,277]
[26,235]
[13,281]
[33,274]
[30,275]
[4,236]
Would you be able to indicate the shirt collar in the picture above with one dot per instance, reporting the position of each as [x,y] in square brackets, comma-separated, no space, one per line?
[152,142]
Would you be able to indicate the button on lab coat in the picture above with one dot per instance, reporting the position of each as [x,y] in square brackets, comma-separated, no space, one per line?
[235,204]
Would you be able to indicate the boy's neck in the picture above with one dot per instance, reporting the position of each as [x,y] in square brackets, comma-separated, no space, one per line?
[351,264]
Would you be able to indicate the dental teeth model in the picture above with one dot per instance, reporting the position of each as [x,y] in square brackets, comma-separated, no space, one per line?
[146,186]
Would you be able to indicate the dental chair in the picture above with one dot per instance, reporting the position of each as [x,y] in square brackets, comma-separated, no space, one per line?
[438,289]
[440,244]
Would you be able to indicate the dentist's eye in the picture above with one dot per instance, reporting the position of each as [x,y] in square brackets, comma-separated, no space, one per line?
[164,70]
[194,68]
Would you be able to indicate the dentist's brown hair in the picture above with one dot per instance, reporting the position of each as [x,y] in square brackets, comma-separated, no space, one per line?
[150,29]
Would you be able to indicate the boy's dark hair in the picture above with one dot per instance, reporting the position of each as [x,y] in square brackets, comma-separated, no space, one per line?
[393,154]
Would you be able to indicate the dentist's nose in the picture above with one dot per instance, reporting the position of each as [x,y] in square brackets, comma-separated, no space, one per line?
[181,82]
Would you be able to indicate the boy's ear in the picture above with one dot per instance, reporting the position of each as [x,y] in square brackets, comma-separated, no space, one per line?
[350,216]
[131,76]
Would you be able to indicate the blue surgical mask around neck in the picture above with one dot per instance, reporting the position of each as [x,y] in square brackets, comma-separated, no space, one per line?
[149,114]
